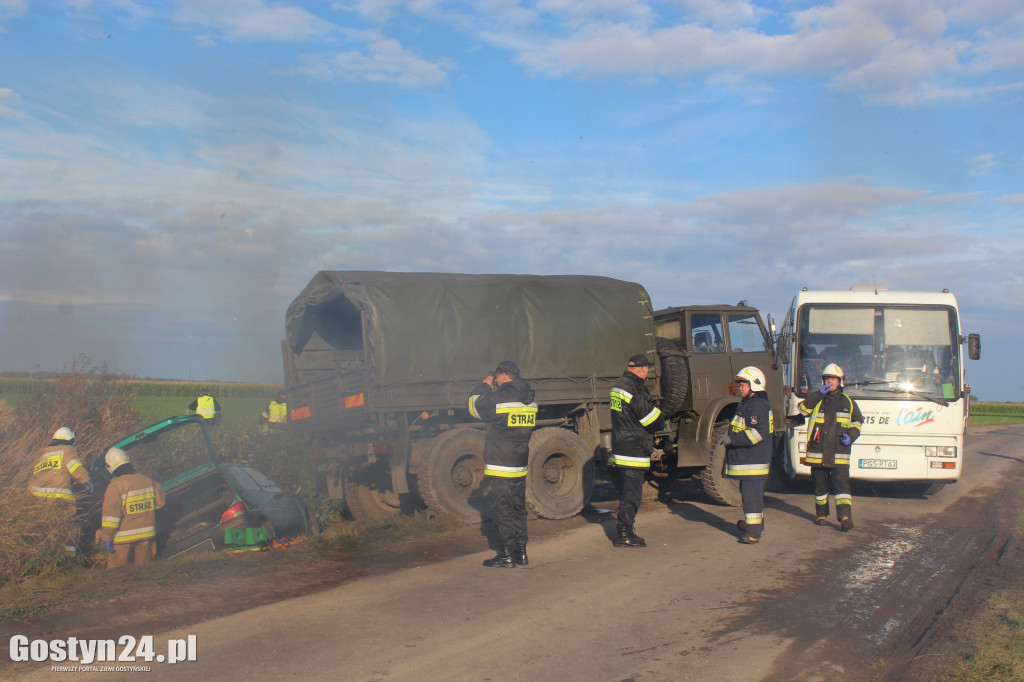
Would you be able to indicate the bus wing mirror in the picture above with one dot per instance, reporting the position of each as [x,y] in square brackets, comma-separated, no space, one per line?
[973,346]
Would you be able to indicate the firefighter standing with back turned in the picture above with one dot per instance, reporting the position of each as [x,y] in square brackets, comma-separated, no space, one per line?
[635,420]
[57,466]
[505,403]
[748,451]
[128,527]
[834,423]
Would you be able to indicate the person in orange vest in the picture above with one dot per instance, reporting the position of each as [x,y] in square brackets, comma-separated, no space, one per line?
[207,406]
[128,526]
[55,469]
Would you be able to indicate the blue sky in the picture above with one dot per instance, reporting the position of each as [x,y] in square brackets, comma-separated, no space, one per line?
[173,173]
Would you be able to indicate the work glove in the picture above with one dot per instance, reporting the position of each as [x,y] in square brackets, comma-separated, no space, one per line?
[90,486]
[109,544]
[824,389]
[845,439]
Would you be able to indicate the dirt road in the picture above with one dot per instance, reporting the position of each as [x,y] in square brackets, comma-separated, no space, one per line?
[808,603]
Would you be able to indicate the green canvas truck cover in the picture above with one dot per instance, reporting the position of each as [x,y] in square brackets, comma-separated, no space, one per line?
[437,327]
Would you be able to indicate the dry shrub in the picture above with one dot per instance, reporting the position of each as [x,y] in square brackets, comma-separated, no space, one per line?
[100,412]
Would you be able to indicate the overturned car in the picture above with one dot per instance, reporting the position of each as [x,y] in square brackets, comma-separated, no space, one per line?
[210,504]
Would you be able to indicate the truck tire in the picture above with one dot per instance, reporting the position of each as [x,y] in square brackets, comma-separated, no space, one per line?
[451,475]
[367,502]
[561,473]
[675,378]
[716,486]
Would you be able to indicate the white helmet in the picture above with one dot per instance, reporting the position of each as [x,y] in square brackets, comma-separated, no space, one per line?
[64,433]
[114,458]
[753,376]
[833,370]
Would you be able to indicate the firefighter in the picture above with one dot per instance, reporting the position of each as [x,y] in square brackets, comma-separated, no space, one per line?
[206,405]
[128,528]
[635,420]
[748,450]
[57,466]
[834,423]
[504,401]
[276,414]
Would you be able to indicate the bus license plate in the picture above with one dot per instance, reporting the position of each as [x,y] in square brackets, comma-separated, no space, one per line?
[878,464]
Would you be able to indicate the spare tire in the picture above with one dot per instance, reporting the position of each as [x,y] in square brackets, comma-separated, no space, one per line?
[675,377]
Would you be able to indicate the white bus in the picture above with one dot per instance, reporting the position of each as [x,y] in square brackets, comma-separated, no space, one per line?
[901,354]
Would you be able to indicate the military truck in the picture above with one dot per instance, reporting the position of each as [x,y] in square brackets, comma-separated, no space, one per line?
[380,365]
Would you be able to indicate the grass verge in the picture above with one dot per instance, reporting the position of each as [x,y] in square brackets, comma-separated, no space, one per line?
[997,636]
[88,583]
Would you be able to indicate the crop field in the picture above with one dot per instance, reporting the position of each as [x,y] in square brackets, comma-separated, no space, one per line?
[156,400]
[996,413]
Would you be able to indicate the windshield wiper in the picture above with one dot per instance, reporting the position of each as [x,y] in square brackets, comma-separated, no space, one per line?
[908,391]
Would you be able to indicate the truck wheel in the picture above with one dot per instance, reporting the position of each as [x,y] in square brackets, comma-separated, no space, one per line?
[561,473]
[370,502]
[675,383]
[451,474]
[716,486]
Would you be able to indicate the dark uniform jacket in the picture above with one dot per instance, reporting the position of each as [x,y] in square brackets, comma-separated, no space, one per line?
[829,417]
[749,453]
[635,420]
[511,415]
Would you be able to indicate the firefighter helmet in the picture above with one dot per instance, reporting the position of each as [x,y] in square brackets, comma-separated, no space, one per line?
[114,458]
[64,433]
[833,370]
[753,376]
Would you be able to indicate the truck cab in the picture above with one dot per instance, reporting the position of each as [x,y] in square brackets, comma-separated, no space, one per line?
[701,348]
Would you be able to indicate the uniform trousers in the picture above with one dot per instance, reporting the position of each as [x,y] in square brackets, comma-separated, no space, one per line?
[838,479]
[508,508]
[630,484]
[125,553]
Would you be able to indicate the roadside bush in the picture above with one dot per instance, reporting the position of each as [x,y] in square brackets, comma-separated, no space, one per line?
[98,411]
[286,457]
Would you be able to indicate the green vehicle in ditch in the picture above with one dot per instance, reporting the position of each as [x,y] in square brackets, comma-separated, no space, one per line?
[380,365]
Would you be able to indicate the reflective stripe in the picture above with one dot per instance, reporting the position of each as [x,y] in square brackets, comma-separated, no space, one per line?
[812,458]
[135,534]
[472,406]
[842,419]
[111,521]
[519,414]
[753,519]
[619,396]
[844,498]
[504,472]
[821,499]
[61,493]
[74,464]
[746,469]
[651,417]
[635,462]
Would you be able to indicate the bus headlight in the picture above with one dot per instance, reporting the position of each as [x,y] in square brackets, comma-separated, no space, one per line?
[940,451]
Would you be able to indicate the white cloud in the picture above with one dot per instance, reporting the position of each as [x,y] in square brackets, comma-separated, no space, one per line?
[383,61]
[254,20]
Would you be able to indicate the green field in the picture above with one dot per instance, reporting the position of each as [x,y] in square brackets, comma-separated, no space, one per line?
[996,413]
[156,400]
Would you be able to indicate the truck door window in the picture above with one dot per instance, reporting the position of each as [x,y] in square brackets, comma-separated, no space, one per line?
[745,334]
[706,334]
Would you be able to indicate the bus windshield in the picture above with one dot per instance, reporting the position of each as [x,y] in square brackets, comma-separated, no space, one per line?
[886,351]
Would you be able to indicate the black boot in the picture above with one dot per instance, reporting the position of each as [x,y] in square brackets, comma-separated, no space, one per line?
[627,538]
[503,559]
[519,556]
